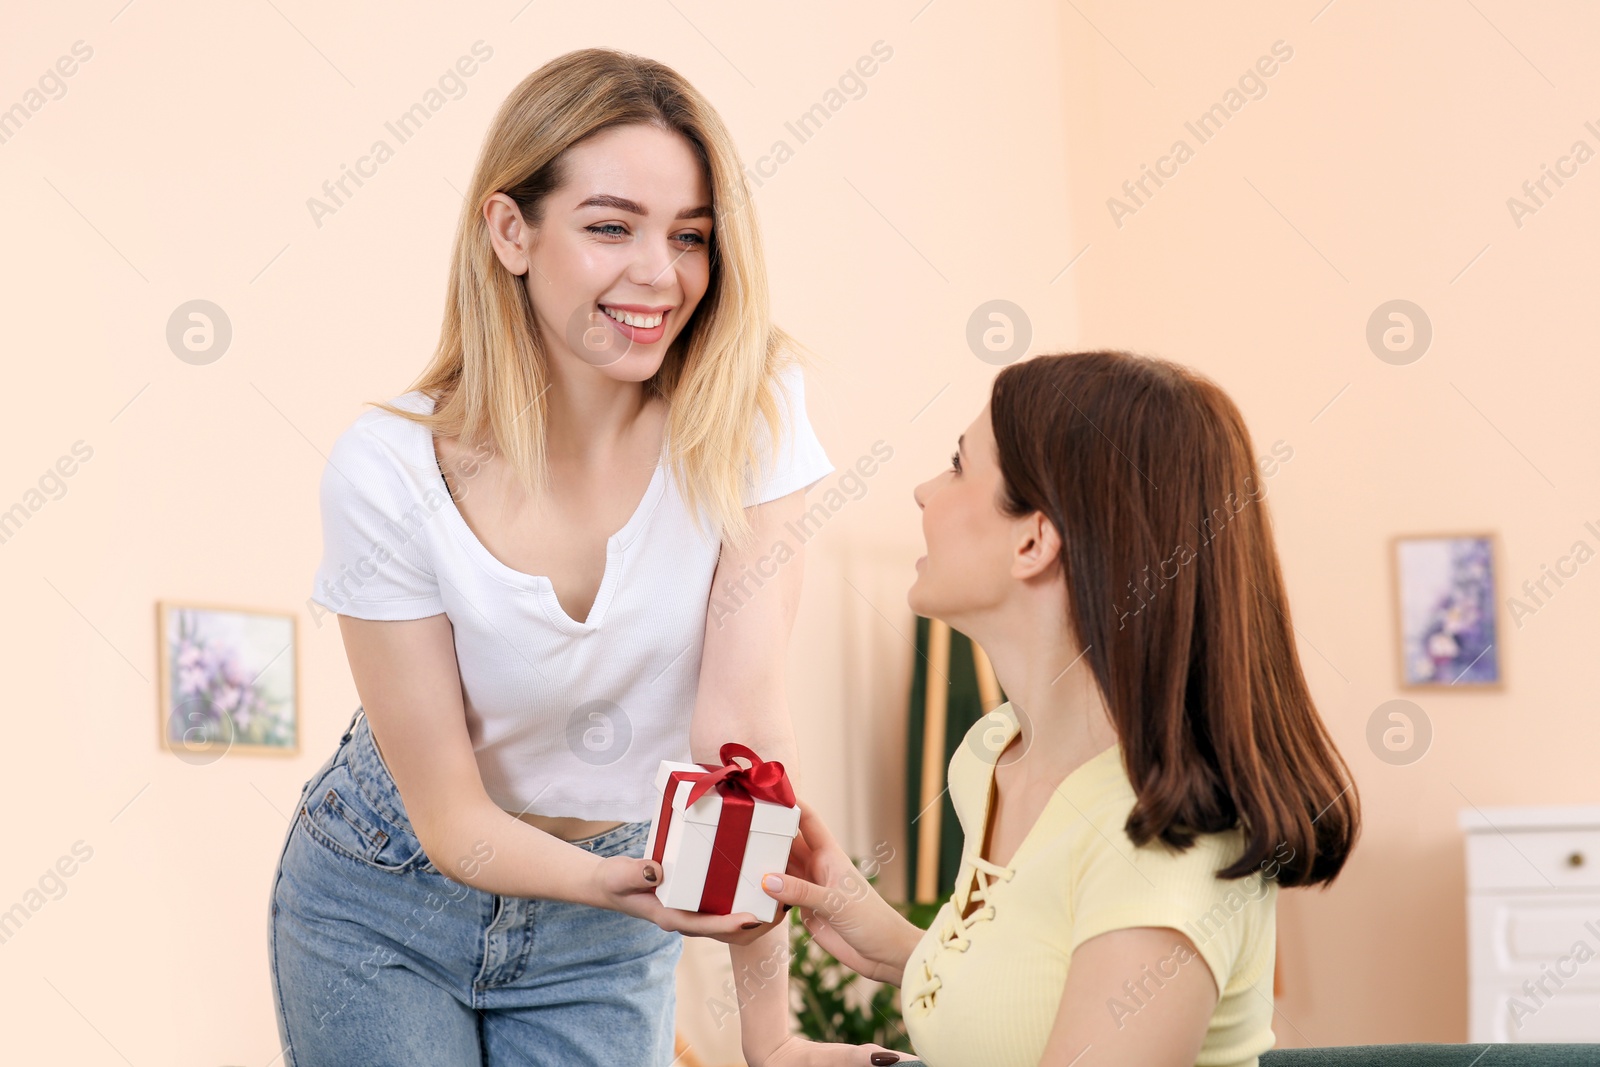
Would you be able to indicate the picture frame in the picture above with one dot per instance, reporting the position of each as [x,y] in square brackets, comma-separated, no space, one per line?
[229,681]
[1446,610]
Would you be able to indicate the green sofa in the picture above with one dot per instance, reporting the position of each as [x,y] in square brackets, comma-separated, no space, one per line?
[1436,1056]
[1422,1056]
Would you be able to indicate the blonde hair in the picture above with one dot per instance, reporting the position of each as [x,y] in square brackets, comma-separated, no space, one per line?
[490,370]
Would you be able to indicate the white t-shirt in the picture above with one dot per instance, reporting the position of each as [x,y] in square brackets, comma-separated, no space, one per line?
[566,717]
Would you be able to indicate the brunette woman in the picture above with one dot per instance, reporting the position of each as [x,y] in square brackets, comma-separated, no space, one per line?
[1159,770]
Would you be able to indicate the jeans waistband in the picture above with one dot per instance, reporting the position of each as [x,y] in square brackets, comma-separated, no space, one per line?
[370,772]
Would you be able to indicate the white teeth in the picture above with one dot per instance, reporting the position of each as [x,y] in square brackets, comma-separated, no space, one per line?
[644,322]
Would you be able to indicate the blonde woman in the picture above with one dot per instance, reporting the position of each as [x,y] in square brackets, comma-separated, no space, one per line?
[1159,769]
[521,553]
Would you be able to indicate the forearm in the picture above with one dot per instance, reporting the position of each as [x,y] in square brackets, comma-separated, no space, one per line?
[761,968]
[907,934]
[771,737]
[489,849]
[761,988]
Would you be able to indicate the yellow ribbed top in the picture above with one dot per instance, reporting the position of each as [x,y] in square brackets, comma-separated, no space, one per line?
[986,989]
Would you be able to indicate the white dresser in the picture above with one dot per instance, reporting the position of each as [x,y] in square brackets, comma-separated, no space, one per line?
[1533,923]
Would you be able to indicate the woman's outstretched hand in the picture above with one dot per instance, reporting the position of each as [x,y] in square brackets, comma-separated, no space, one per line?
[624,883]
[845,915]
[796,1051]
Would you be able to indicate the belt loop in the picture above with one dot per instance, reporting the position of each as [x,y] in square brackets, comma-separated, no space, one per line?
[351,729]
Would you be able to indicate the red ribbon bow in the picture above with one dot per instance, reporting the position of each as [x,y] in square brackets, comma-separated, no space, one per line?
[740,787]
[761,780]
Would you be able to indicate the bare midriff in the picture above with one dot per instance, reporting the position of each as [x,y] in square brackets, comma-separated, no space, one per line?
[566,827]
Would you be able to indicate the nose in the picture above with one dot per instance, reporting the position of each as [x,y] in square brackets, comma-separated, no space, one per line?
[652,263]
[919,493]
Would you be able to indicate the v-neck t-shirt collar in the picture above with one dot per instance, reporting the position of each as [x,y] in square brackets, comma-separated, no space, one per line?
[538,584]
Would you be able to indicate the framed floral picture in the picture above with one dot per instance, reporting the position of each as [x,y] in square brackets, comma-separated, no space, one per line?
[1445,604]
[230,681]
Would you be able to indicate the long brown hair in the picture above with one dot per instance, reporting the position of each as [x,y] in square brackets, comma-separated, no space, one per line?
[489,372]
[1148,473]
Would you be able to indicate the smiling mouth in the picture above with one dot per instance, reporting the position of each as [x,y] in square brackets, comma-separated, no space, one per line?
[638,319]
[640,327]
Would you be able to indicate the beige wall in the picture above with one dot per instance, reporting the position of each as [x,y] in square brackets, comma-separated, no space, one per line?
[976,166]
[1377,166]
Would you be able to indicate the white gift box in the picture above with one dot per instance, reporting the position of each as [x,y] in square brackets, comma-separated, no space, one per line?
[686,856]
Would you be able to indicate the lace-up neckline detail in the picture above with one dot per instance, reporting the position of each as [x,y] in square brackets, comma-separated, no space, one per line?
[953,933]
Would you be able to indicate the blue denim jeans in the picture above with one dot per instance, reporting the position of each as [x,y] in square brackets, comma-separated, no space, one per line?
[377,958]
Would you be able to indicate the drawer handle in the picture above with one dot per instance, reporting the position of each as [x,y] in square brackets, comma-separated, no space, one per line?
[1575,859]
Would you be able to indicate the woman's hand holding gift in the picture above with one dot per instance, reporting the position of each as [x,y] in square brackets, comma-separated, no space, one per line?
[797,1051]
[844,913]
[628,884]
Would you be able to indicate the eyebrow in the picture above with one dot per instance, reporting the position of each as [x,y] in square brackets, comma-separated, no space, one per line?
[622,203]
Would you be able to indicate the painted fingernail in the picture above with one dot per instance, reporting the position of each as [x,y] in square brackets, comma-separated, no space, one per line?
[650,875]
[749,926]
[772,883]
[881,1058]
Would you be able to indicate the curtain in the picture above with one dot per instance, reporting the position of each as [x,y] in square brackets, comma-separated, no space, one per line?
[952,686]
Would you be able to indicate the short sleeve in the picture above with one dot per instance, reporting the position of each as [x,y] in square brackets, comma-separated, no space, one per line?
[375,546]
[1153,885]
[801,461]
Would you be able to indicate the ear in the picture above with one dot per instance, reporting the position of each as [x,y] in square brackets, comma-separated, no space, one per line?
[1038,547]
[511,237]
